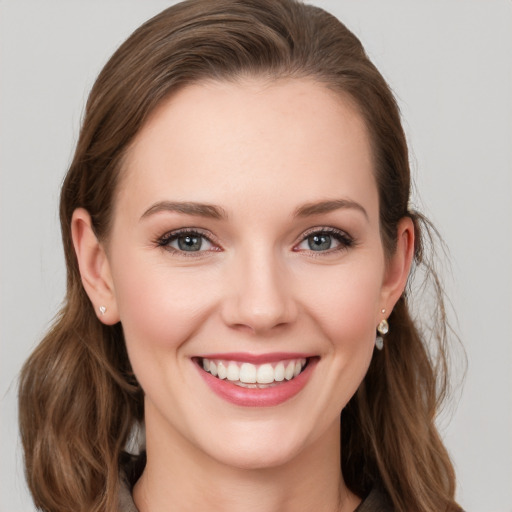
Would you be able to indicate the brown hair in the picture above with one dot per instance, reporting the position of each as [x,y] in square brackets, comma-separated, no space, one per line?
[78,397]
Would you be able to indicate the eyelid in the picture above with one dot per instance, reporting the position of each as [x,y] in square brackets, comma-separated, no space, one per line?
[345,239]
[164,240]
[323,229]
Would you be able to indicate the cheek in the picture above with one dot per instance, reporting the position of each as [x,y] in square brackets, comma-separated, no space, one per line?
[159,309]
[348,322]
[345,305]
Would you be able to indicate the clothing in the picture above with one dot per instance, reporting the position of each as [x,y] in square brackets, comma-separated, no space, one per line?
[376,501]
[126,503]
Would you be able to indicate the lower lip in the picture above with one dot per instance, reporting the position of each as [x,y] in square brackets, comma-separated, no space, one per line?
[256,397]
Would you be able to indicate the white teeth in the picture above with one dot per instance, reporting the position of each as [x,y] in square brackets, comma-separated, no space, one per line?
[233,372]
[265,374]
[279,372]
[221,370]
[251,386]
[290,369]
[250,375]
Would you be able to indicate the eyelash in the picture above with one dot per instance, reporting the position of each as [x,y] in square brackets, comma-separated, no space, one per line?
[165,241]
[344,239]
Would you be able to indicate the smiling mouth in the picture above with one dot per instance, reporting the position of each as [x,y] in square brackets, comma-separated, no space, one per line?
[254,376]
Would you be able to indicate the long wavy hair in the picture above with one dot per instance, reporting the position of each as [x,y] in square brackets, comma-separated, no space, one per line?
[78,397]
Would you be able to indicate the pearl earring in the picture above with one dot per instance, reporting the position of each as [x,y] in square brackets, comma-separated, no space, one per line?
[103,310]
[382,329]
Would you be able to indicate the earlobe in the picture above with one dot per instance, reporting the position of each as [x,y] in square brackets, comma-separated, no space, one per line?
[398,265]
[94,267]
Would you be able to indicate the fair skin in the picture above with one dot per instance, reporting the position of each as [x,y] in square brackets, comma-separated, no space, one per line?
[283,259]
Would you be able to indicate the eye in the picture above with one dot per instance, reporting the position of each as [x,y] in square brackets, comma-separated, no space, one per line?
[325,240]
[186,241]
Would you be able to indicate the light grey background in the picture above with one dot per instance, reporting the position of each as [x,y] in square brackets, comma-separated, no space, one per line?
[450,65]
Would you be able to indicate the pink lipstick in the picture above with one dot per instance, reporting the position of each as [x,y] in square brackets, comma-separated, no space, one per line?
[249,380]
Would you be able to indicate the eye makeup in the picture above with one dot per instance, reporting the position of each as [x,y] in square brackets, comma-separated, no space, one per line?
[324,239]
[196,242]
[188,242]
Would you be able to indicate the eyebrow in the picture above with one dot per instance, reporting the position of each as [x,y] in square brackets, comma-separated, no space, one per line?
[329,206]
[187,208]
[216,212]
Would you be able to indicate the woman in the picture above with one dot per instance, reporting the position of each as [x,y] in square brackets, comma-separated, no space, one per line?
[238,241]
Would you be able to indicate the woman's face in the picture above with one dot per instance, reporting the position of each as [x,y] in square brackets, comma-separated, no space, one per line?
[246,239]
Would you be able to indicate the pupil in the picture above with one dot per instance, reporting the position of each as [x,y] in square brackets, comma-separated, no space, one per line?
[319,242]
[189,243]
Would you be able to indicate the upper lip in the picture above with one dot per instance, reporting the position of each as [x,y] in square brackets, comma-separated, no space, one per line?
[256,358]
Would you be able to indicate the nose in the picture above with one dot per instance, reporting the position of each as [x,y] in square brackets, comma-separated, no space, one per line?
[258,297]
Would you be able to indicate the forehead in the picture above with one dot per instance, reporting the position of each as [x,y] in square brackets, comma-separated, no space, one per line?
[216,141]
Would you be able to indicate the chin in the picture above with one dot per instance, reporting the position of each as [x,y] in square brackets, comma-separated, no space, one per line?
[257,456]
[263,445]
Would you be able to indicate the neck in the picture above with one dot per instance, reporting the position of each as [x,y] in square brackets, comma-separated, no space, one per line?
[180,477]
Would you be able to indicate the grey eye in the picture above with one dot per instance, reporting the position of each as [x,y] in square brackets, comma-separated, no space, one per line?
[325,240]
[189,242]
[186,241]
[319,242]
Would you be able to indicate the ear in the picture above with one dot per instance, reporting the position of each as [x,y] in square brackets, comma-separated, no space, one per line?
[398,267]
[94,267]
